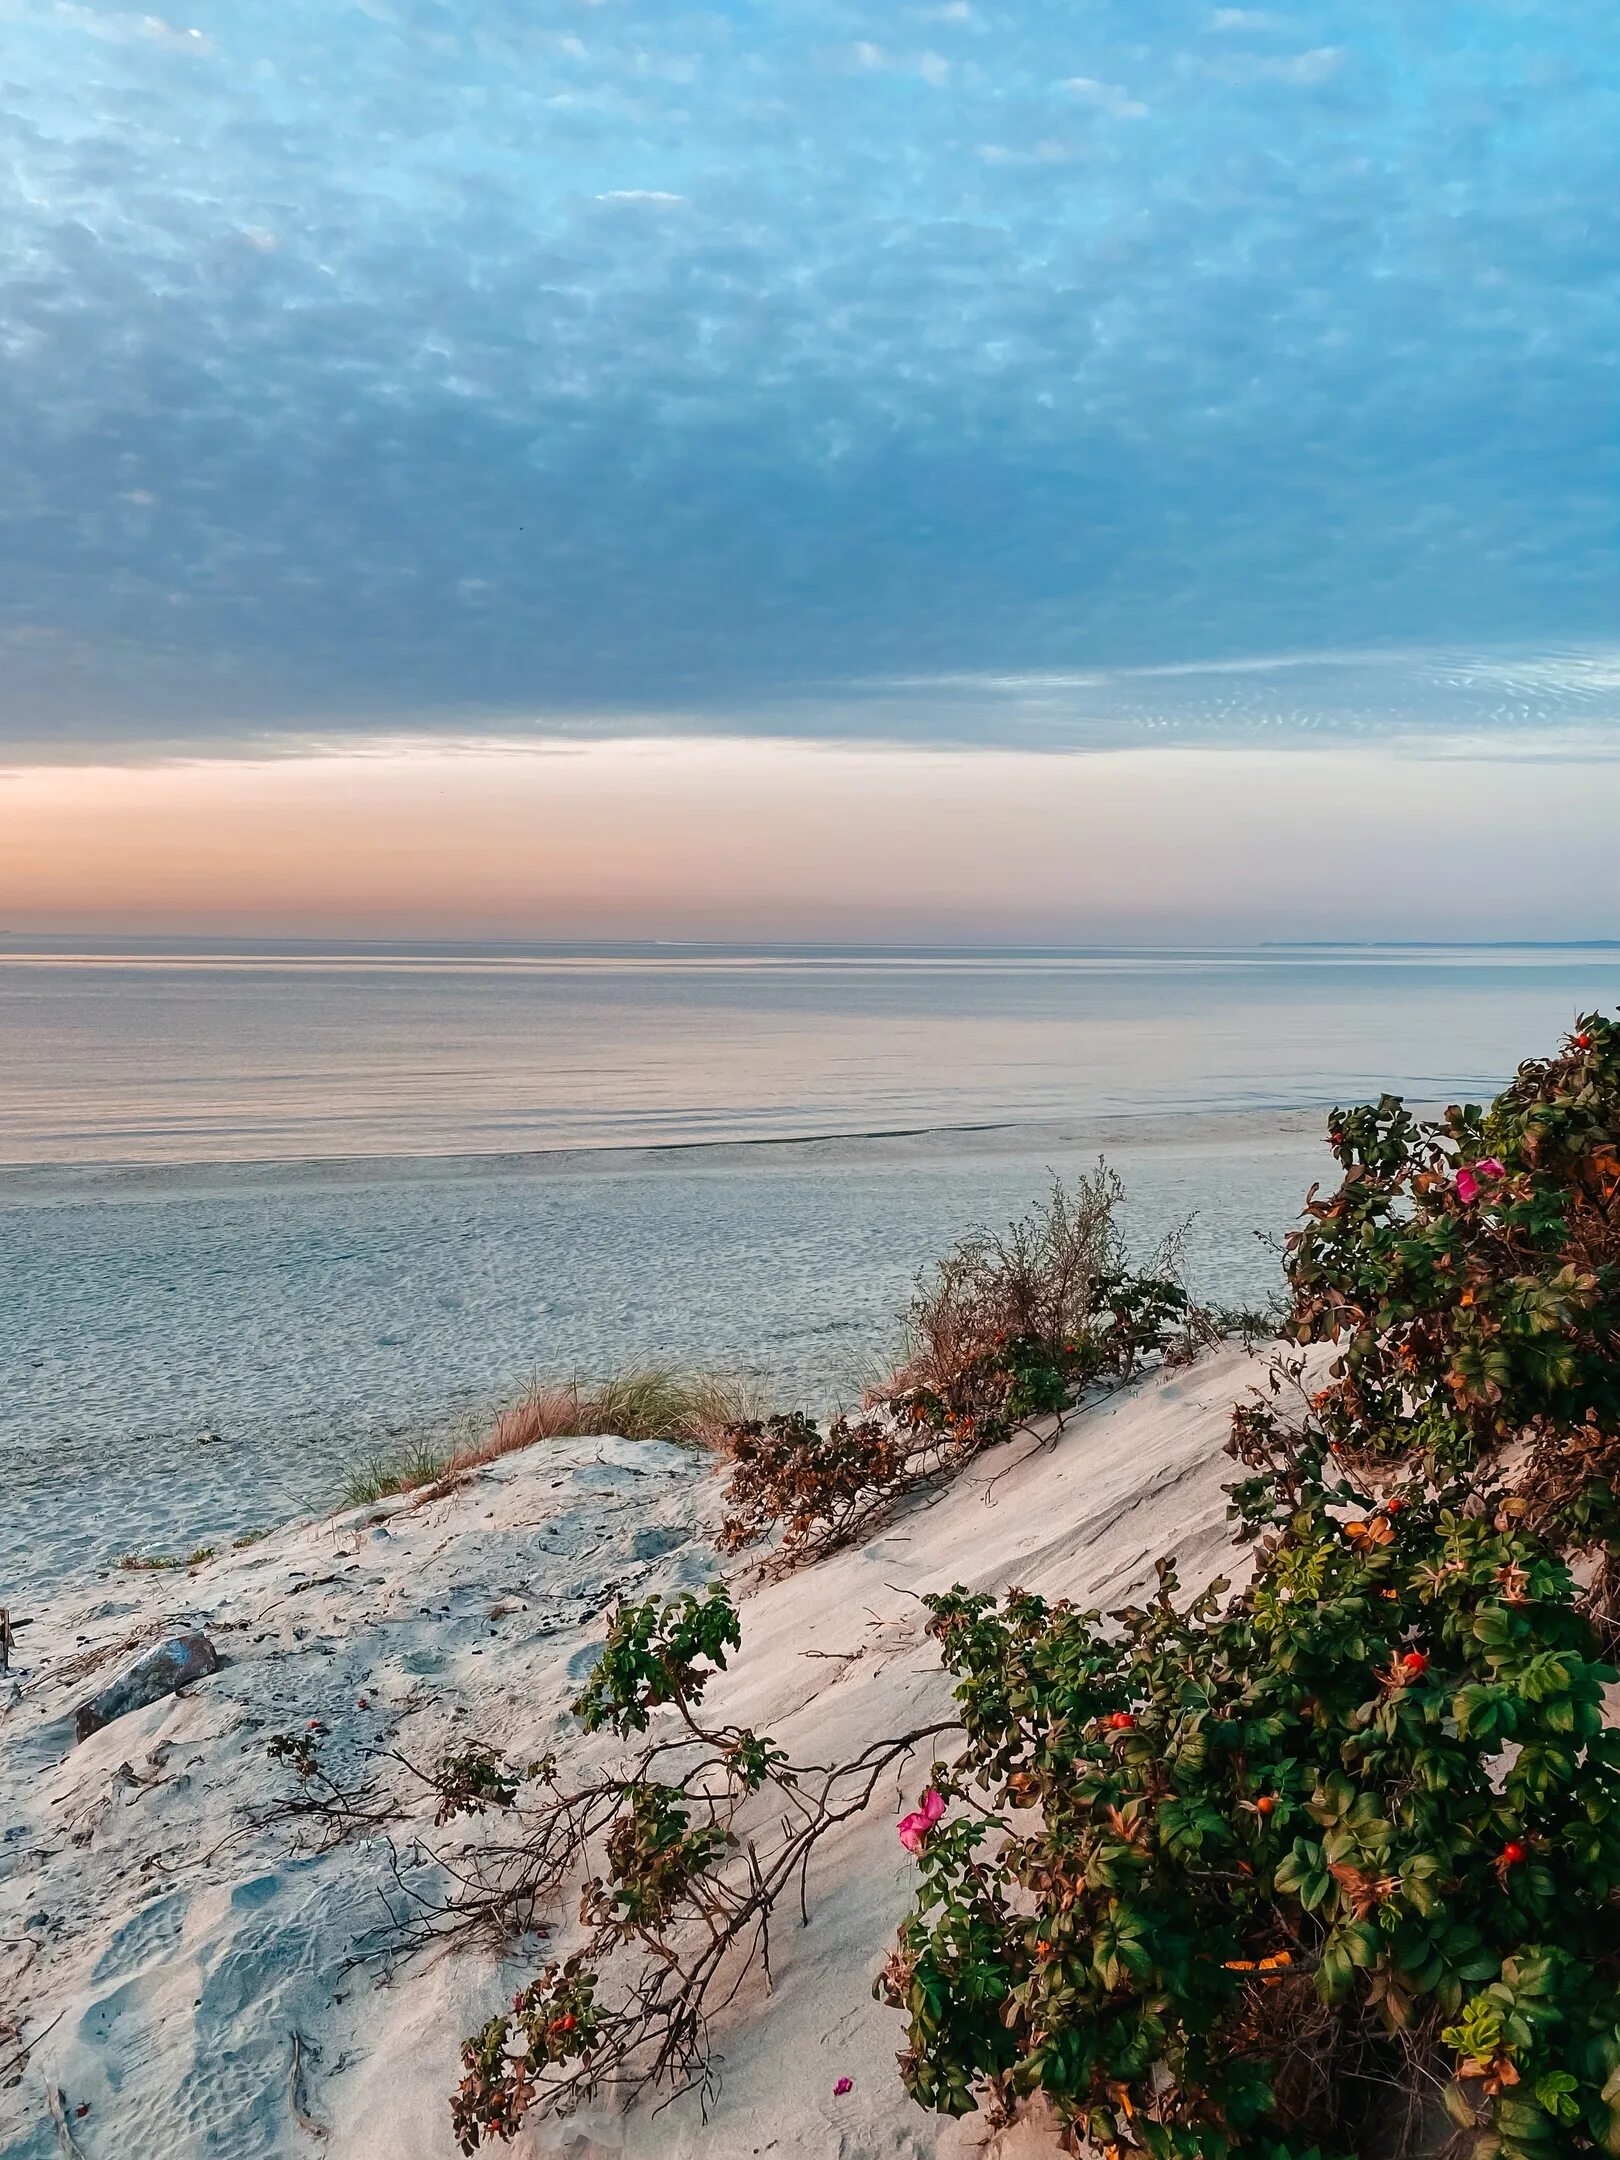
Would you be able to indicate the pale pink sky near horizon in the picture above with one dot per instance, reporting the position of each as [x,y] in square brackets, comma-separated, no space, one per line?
[750,837]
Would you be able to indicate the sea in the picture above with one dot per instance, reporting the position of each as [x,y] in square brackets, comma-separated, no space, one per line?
[267,1210]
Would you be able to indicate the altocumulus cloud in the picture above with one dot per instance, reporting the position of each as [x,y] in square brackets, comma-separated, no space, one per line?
[953,372]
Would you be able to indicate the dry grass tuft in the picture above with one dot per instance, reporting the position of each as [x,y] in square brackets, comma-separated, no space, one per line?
[1039,1279]
[649,1402]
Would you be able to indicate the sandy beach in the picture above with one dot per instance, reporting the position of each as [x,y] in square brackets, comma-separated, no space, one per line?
[171,1942]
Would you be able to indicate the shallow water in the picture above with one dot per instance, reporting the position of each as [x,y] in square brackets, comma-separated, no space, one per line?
[381,1268]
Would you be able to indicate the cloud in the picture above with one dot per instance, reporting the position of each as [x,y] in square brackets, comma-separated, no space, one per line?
[1319,65]
[870,59]
[400,370]
[1049,151]
[114,28]
[1563,703]
[1106,97]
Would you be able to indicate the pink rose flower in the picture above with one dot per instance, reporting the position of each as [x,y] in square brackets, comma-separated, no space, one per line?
[1468,1177]
[843,2086]
[914,1829]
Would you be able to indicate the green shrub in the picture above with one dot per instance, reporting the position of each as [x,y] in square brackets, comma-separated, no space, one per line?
[1469,1270]
[1225,1879]
[675,1901]
[658,1652]
[1219,1877]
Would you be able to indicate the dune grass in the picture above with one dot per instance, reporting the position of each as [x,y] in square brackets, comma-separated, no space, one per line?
[379,1477]
[163,1563]
[644,1402]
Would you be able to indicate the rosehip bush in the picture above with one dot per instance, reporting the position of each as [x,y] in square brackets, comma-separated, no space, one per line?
[1220,1878]
[675,1894]
[660,1651]
[1469,1270]
[473,1779]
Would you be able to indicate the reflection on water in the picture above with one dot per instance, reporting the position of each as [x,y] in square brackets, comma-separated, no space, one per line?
[156,1056]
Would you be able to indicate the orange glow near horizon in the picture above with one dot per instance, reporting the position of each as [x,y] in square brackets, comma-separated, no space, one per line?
[740,838]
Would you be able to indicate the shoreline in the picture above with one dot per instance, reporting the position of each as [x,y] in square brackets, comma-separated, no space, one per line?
[351,1312]
[24,1184]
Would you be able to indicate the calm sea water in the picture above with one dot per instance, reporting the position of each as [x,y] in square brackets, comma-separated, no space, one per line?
[314,1201]
[169,1056]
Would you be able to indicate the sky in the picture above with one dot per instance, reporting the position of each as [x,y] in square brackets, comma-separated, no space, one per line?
[1110,406]
[740,838]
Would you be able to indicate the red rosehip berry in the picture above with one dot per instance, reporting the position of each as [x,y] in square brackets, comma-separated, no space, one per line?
[1393,1506]
[1512,1853]
[1583,1041]
[1414,1662]
[1266,1804]
[1119,1720]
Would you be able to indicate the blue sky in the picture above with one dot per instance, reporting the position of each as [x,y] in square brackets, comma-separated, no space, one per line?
[970,372]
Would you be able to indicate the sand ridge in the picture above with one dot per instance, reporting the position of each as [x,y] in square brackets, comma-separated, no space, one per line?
[162,1944]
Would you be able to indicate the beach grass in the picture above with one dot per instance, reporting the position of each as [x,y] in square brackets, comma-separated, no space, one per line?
[380,1477]
[643,1402]
[161,1563]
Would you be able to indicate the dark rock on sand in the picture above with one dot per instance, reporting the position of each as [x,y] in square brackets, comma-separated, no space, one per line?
[164,1668]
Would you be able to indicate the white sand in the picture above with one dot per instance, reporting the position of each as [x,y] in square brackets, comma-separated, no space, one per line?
[158,1951]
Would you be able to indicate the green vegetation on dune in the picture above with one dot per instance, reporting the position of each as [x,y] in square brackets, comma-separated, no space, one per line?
[1323,1866]
[1283,1875]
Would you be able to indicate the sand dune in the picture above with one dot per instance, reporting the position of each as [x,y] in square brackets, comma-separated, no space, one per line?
[162,1943]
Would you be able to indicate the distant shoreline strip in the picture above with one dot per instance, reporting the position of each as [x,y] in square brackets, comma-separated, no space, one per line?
[34,1184]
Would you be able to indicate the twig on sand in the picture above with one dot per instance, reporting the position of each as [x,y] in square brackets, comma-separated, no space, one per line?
[84,1662]
[295,2091]
[57,2104]
[10,2031]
